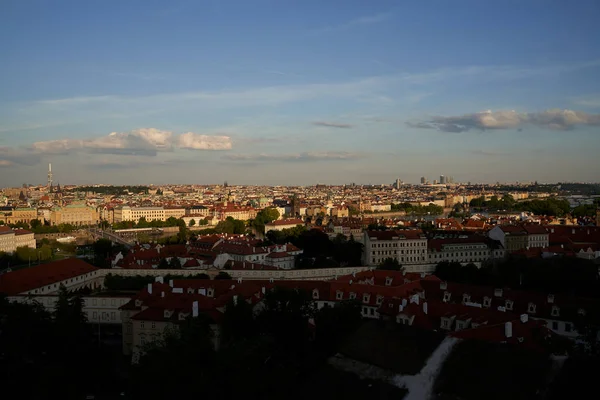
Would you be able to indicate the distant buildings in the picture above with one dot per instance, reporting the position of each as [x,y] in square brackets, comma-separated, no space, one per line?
[282,224]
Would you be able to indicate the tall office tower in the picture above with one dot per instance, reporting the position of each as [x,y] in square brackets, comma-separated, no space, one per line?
[442,179]
[423,180]
[398,183]
[49,176]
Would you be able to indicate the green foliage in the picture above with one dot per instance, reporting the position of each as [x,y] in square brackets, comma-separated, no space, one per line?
[175,263]
[264,217]
[334,324]
[585,210]
[551,206]
[192,222]
[554,275]
[417,209]
[223,275]
[231,226]
[390,264]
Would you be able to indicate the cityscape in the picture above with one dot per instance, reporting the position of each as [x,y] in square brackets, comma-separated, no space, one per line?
[288,200]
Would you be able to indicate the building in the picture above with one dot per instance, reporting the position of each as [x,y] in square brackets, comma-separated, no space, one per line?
[520,237]
[43,279]
[126,213]
[11,239]
[475,249]
[16,215]
[74,214]
[406,246]
[282,224]
[423,180]
[442,180]
[174,212]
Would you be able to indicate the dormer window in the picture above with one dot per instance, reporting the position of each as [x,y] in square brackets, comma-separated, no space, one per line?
[388,281]
[443,285]
[190,290]
[181,316]
[555,311]
[138,303]
[509,304]
[366,298]
[391,305]
[352,296]
[447,297]
[531,308]
[466,298]
[168,314]
[498,292]
[550,298]
[379,300]
[338,295]
[210,292]
[581,312]
[315,293]
[487,302]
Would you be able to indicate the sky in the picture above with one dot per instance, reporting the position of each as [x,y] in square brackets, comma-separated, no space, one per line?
[298,92]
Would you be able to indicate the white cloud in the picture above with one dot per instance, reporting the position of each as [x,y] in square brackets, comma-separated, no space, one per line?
[146,141]
[296,157]
[354,23]
[197,141]
[332,124]
[554,119]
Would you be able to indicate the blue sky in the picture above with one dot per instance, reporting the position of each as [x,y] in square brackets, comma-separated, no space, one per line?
[298,92]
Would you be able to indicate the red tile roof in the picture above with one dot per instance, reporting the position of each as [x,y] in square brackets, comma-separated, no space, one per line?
[27,279]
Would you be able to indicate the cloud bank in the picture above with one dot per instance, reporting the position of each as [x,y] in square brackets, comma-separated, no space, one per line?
[147,141]
[332,124]
[554,119]
[296,157]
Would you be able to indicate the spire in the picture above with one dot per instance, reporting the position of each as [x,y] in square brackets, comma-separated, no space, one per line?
[50,177]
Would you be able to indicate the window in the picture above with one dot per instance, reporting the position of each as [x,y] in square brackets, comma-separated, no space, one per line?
[509,304]
[142,339]
[153,326]
[555,311]
[142,325]
[568,327]
[531,308]
[103,302]
[112,302]
[379,300]
[338,295]
[94,315]
[352,295]
[487,302]
[554,325]
[445,323]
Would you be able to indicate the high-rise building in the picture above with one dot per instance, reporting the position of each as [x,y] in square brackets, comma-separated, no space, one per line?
[423,180]
[49,176]
[398,183]
[442,179]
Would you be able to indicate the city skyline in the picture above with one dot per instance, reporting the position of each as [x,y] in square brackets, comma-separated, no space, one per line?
[268,94]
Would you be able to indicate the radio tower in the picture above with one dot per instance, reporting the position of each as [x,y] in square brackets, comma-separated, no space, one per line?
[49,176]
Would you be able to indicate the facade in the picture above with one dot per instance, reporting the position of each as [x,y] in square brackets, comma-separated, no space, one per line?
[74,214]
[174,212]
[11,239]
[126,213]
[19,215]
[469,250]
[514,238]
[282,224]
[406,246]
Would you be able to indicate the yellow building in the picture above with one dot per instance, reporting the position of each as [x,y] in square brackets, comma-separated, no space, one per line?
[174,212]
[19,215]
[127,213]
[74,214]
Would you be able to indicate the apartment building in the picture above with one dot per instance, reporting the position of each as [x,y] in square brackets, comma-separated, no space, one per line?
[520,237]
[11,239]
[282,224]
[406,246]
[464,250]
[126,213]
[74,214]
[174,212]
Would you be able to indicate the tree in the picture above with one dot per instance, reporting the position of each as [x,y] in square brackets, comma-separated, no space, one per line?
[35,224]
[175,263]
[335,323]
[223,275]
[390,264]
[102,250]
[163,264]
[192,222]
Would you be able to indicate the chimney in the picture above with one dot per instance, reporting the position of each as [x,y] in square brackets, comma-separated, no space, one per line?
[159,279]
[150,288]
[162,294]
[425,308]
[550,298]
[202,291]
[264,289]
[171,282]
[195,309]
[235,300]
[524,318]
[508,329]
[404,302]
